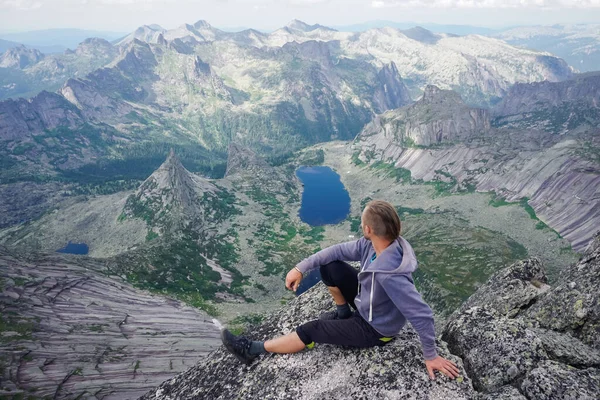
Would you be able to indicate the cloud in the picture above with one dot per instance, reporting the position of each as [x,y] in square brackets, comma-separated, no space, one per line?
[20,4]
[486,3]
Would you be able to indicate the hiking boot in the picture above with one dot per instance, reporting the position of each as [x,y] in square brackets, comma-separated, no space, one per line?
[239,346]
[332,315]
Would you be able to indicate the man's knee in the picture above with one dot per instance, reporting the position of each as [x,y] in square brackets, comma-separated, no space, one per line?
[306,331]
[330,273]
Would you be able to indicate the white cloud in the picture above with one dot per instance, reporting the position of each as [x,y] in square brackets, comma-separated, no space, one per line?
[486,3]
[20,4]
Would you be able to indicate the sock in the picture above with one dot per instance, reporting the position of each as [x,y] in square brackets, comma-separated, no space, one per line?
[257,348]
[343,311]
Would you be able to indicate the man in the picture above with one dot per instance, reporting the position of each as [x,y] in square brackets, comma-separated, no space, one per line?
[382,293]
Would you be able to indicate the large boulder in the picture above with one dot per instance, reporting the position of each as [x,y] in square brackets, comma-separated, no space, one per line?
[574,304]
[517,331]
[496,350]
[394,371]
[552,380]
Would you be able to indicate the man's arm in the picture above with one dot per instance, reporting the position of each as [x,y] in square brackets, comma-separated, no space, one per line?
[408,300]
[349,251]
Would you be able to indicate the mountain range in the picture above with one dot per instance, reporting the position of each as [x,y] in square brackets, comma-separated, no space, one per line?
[172,155]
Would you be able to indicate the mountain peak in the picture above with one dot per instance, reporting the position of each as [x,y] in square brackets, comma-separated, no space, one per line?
[422,35]
[20,57]
[169,195]
[202,24]
[240,159]
[304,27]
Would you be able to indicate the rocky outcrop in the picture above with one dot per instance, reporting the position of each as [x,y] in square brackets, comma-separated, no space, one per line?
[242,159]
[544,96]
[94,47]
[394,371]
[20,57]
[440,116]
[94,105]
[574,304]
[516,331]
[392,93]
[69,329]
[557,174]
[170,196]
[23,118]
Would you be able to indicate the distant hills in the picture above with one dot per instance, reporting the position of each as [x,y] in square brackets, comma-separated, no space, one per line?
[53,40]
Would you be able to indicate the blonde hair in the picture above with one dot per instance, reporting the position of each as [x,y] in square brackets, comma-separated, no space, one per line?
[383,219]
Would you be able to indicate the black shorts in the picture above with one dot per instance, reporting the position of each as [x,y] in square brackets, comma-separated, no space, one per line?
[353,331]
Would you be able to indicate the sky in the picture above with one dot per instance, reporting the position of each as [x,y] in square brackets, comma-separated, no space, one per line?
[126,15]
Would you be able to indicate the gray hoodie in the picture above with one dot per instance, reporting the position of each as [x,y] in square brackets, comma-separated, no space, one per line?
[387,296]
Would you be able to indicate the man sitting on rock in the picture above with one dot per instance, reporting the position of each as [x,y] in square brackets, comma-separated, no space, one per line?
[382,293]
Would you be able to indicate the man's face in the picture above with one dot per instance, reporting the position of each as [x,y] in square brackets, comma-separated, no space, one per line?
[365,229]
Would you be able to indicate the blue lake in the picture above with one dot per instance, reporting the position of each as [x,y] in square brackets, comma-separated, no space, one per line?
[74,248]
[324,201]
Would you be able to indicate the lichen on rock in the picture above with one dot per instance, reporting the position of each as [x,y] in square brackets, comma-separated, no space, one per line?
[516,331]
[394,371]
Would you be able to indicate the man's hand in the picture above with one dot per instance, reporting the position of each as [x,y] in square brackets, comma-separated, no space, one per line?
[446,367]
[293,278]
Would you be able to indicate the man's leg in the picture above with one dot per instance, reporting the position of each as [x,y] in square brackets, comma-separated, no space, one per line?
[354,332]
[342,281]
[290,343]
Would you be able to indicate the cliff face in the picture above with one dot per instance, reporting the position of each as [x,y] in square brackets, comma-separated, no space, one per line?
[440,116]
[395,371]
[69,329]
[523,98]
[438,138]
[22,118]
[517,334]
[570,107]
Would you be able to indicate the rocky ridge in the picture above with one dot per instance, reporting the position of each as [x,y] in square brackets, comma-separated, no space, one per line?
[518,338]
[439,116]
[518,333]
[395,371]
[557,173]
[70,328]
[20,57]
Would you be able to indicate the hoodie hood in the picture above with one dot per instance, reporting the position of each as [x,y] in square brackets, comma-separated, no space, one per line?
[398,258]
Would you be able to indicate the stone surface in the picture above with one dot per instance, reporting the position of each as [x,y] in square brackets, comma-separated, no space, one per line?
[496,350]
[511,289]
[552,380]
[509,345]
[394,371]
[71,329]
[574,308]
[504,393]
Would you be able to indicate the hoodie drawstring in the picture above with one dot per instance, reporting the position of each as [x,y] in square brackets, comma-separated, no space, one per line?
[371,296]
